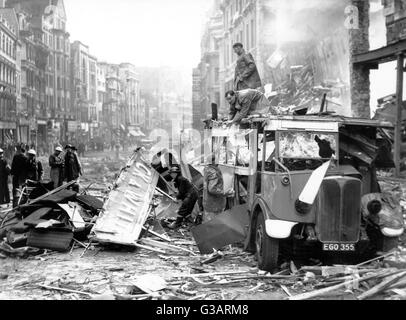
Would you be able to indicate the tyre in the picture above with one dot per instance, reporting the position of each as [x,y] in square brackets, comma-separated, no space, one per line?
[267,248]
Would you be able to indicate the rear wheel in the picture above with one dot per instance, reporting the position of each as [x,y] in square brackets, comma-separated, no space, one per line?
[267,248]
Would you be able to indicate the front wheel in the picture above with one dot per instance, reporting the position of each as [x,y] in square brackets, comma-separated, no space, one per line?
[267,248]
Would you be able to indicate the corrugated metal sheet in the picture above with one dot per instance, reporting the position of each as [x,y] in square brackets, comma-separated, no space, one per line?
[127,207]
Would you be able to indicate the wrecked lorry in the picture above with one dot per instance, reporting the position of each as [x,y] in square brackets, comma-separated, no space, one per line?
[310,185]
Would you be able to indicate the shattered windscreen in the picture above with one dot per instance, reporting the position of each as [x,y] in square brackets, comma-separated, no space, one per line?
[307,145]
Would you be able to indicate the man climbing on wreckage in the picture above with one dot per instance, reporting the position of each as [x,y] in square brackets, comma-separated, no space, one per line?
[187,193]
[246,102]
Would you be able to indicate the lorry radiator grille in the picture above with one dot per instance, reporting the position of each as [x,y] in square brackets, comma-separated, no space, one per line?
[338,210]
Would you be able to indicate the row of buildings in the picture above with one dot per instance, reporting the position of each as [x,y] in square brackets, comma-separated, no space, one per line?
[283,36]
[53,90]
[166,99]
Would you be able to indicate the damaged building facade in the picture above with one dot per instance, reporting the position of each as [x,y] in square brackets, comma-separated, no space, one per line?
[294,44]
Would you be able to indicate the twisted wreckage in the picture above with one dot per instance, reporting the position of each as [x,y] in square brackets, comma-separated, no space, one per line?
[55,219]
[301,183]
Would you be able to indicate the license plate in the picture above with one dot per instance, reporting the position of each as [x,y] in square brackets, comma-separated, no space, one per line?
[338,247]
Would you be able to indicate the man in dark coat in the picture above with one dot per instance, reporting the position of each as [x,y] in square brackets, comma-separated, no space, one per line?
[4,173]
[244,103]
[81,149]
[246,73]
[18,171]
[187,193]
[34,167]
[57,164]
[73,169]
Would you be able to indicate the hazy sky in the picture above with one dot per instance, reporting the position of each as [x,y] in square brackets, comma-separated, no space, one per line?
[142,32]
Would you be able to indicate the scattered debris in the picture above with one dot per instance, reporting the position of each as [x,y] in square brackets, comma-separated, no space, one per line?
[63,221]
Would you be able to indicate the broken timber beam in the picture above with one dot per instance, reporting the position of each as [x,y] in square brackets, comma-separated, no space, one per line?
[317,293]
[160,236]
[382,286]
[62,187]
[377,258]
[165,194]
[164,246]
[66,290]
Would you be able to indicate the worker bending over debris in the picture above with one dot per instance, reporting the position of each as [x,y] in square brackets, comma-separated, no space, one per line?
[246,102]
[187,193]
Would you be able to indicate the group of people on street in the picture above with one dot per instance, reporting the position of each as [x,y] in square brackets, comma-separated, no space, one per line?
[25,166]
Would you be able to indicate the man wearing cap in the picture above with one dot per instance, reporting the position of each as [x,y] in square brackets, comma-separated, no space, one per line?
[246,102]
[34,167]
[57,164]
[246,73]
[4,173]
[73,169]
[18,170]
[187,193]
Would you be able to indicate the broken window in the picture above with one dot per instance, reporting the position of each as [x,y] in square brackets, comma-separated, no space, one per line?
[305,145]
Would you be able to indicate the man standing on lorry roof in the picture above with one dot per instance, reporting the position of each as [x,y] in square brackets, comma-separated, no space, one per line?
[188,194]
[246,72]
[246,102]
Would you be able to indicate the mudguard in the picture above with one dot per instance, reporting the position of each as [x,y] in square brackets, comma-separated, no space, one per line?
[279,229]
[275,228]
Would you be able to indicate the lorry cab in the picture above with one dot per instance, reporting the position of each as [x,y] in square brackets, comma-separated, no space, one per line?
[303,179]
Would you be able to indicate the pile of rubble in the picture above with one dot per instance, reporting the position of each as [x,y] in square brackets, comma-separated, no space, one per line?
[298,94]
[224,275]
[128,217]
[53,221]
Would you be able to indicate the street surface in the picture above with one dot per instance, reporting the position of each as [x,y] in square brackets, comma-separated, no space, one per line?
[107,273]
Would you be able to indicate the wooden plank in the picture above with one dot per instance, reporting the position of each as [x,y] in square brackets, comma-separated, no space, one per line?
[65,186]
[382,286]
[392,252]
[385,54]
[160,236]
[66,290]
[198,275]
[166,195]
[164,246]
[317,293]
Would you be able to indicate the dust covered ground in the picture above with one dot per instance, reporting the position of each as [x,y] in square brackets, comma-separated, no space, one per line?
[99,272]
